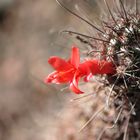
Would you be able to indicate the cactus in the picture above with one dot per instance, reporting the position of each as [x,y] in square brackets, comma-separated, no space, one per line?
[118,42]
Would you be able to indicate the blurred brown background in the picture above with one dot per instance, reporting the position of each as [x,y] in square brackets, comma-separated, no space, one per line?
[28,33]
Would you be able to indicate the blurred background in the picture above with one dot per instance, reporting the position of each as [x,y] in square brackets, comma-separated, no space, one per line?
[30,32]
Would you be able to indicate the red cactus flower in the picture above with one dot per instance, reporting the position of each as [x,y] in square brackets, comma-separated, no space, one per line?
[71,71]
[66,71]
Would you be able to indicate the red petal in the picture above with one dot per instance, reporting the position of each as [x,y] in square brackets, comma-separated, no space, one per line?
[74,84]
[59,64]
[106,67]
[95,68]
[87,78]
[85,67]
[75,89]
[58,77]
[50,77]
[75,57]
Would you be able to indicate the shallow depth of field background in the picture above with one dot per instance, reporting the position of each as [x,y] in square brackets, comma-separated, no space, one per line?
[29,35]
